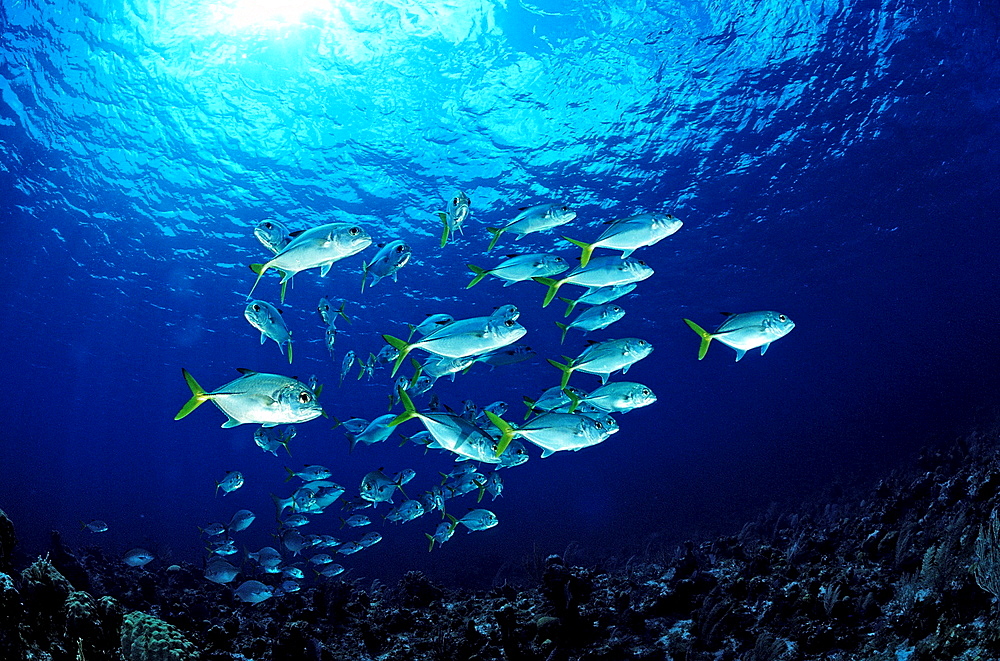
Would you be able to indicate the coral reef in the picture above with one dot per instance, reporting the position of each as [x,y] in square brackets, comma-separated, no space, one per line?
[910,572]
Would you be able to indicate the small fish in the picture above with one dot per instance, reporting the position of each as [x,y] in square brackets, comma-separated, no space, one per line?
[518,268]
[231,482]
[241,521]
[330,341]
[94,526]
[442,534]
[367,367]
[595,318]
[432,323]
[332,570]
[408,510]
[267,319]
[328,315]
[477,520]
[319,247]
[256,398]
[534,219]
[554,432]
[387,262]
[618,397]
[289,586]
[294,541]
[630,234]
[138,557]
[292,572]
[556,398]
[454,215]
[451,432]
[433,499]
[369,539]
[352,425]
[272,234]
[295,521]
[356,521]
[604,358]
[269,439]
[309,473]
[224,547]
[466,484]
[345,366]
[221,572]
[440,366]
[745,331]
[514,455]
[377,431]
[598,296]
[321,559]
[494,485]
[266,557]
[599,272]
[253,592]
[213,529]
[404,476]
[377,487]
[350,548]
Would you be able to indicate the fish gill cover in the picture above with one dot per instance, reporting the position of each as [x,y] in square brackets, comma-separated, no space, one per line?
[833,162]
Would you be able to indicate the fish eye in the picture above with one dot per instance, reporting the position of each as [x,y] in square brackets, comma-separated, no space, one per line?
[782,317]
[455,201]
[354,231]
[304,397]
[641,263]
[508,323]
[268,226]
[647,391]
[256,308]
[399,248]
[597,423]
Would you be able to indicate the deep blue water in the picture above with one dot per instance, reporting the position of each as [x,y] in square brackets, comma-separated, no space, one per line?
[836,161]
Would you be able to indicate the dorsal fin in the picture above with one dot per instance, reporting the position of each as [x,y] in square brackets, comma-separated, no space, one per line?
[295,233]
[244,371]
[523,208]
[726,314]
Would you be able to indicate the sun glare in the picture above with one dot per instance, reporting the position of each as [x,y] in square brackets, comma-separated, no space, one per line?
[246,13]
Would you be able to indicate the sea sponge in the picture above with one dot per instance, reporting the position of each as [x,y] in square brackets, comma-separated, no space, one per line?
[146,638]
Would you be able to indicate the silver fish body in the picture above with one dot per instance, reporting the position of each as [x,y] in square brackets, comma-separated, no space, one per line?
[272,234]
[268,320]
[387,262]
[534,219]
[745,331]
[604,358]
[519,268]
[256,398]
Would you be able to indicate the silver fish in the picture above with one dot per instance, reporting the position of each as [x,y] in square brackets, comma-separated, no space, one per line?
[618,397]
[138,557]
[378,430]
[221,572]
[241,520]
[269,439]
[267,319]
[377,487]
[630,234]
[387,262]
[328,315]
[455,214]
[370,538]
[272,234]
[345,366]
[603,358]
[256,398]
[554,432]
[518,268]
[506,356]
[443,533]
[231,482]
[451,432]
[534,219]
[253,592]
[309,473]
[598,296]
[599,272]
[94,526]
[595,318]
[477,520]
[318,247]
[745,331]
[432,323]
[408,510]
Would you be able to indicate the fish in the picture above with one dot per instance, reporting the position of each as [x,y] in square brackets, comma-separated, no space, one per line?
[267,319]
[294,541]
[534,219]
[466,484]
[269,440]
[213,529]
[221,572]
[494,485]
[350,548]
[598,296]
[554,432]
[288,587]
[594,318]
[356,521]
[408,510]
[224,547]
[514,455]
[518,268]
[618,397]
[369,539]
[387,262]
[138,557]
[321,559]
[745,331]
[332,570]
[556,398]
[292,572]
[442,534]
[432,323]
[378,430]
[253,592]
[231,482]
[599,272]
[440,366]
[604,358]
[318,247]
[367,367]
[510,355]
[630,234]
[345,366]
[94,526]
[462,338]
[478,519]
[309,473]
[272,234]
[266,557]
[422,438]
[386,355]
[352,425]
[328,315]
[330,340]
[256,398]
[294,521]
[404,476]
[241,520]
[454,215]
[377,487]
[451,432]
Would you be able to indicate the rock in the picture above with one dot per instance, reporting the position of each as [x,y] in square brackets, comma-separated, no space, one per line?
[146,638]
[8,540]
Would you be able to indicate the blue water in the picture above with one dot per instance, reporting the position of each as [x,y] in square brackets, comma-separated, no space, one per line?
[836,161]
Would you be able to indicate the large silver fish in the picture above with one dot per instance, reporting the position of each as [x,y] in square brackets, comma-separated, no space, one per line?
[600,272]
[518,268]
[318,247]
[466,337]
[594,318]
[452,432]
[554,432]
[454,215]
[267,319]
[606,357]
[534,219]
[256,398]
[630,234]
[745,331]
[618,397]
